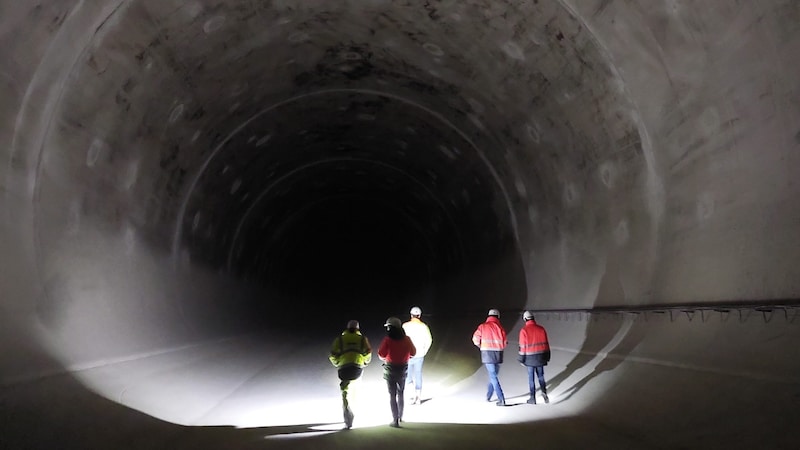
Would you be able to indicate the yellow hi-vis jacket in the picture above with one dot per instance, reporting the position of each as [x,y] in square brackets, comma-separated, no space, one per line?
[351,348]
[420,335]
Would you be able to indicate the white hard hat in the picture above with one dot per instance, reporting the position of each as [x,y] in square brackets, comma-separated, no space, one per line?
[528,315]
[416,311]
[494,312]
[353,324]
[393,322]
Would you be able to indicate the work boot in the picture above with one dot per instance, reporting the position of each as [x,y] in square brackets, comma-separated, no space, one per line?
[395,423]
[501,402]
[544,394]
[417,398]
[532,400]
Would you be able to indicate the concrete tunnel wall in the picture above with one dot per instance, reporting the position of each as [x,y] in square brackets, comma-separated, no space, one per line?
[167,166]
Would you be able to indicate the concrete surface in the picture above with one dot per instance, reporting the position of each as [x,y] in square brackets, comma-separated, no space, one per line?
[181,176]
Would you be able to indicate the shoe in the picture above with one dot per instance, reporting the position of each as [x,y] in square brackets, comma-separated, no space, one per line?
[348,418]
[501,403]
[395,423]
[531,401]
[546,399]
[415,401]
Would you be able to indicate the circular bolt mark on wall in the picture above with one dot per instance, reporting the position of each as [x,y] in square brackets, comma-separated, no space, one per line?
[533,215]
[570,194]
[93,154]
[513,51]
[705,206]
[533,133]
[176,113]
[521,190]
[196,221]
[445,151]
[477,122]
[235,186]
[263,140]
[213,24]
[476,105]
[433,49]
[607,173]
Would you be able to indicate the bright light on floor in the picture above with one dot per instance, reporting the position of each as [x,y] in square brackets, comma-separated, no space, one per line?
[237,382]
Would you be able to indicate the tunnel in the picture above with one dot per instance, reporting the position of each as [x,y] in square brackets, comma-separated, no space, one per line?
[198,195]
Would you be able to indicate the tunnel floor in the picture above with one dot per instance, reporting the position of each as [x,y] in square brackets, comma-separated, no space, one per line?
[244,392]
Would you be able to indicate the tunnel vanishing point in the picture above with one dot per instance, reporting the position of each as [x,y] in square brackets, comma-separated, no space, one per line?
[172,171]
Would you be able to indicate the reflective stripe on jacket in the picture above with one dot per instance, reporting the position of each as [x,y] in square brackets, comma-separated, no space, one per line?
[534,347]
[490,335]
[351,348]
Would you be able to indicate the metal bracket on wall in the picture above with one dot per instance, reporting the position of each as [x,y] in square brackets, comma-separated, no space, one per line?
[744,311]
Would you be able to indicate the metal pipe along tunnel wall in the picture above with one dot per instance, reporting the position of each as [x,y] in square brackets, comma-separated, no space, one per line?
[179,171]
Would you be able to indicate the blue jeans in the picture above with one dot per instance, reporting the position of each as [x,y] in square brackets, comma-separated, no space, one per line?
[494,383]
[415,372]
[539,372]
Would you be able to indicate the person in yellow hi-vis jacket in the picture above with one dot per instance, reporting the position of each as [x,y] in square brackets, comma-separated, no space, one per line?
[350,353]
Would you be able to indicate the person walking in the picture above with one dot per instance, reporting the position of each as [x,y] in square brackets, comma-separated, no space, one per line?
[534,354]
[395,351]
[420,335]
[350,353]
[490,338]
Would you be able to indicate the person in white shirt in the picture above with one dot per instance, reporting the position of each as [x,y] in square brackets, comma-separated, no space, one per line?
[420,335]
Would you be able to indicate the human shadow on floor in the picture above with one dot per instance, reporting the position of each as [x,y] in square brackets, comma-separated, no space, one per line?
[611,360]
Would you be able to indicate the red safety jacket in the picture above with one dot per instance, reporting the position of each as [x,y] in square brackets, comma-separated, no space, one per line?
[534,347]
[396,351]
[490,337]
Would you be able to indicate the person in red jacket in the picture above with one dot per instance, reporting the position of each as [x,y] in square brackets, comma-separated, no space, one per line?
[534,353]
[490,338]
[395,351]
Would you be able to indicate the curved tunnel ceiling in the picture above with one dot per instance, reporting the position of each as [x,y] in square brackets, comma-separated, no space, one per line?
[206,127]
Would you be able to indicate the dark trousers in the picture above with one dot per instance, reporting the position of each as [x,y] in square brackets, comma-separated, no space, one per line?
[538,371]
[395,376]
